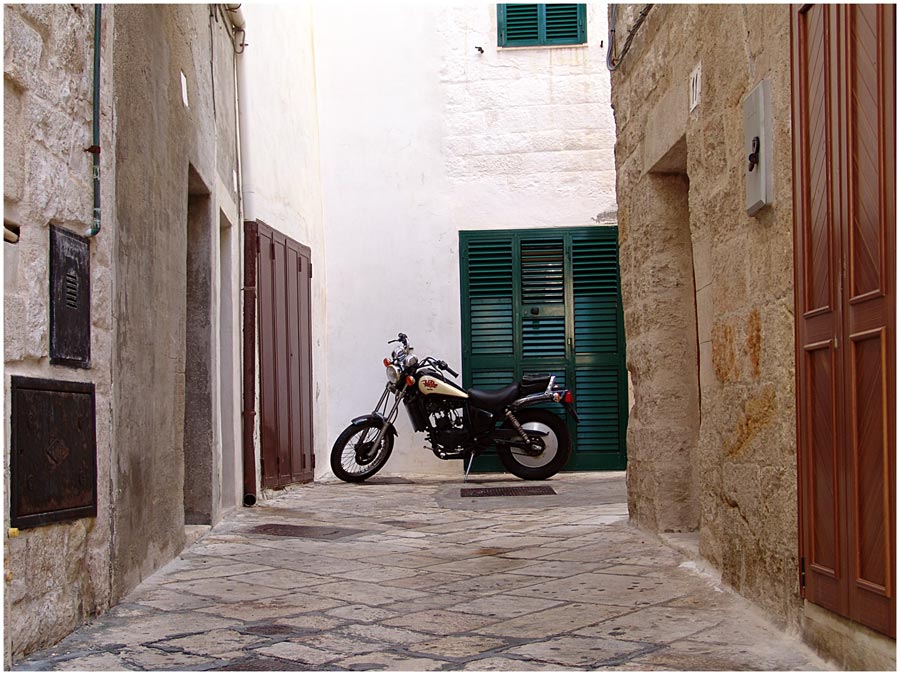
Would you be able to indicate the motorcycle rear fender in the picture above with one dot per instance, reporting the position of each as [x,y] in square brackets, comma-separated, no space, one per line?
[378,417]
[545,397]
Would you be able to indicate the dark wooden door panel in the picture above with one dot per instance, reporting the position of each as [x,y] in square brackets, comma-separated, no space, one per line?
[282,374]
[822,454]
[868,308]
[285,357]
[845,239]
[817,142]
[867,184]
[817,246]
[268,392]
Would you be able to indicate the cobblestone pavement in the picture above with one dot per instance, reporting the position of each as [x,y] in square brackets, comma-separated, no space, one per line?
[399,575]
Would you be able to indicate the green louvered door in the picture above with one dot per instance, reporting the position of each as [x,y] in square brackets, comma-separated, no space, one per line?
[547,301]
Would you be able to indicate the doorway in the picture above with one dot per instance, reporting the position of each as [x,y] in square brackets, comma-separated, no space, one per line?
[283,272]
[845,299]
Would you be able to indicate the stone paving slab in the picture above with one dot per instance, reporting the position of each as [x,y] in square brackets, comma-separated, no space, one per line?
[431,581]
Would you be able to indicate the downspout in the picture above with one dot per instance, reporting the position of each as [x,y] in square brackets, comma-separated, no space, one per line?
[248,306]
[94,229]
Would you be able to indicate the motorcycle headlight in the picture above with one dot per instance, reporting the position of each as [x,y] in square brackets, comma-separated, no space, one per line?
[393,374]
[410,361]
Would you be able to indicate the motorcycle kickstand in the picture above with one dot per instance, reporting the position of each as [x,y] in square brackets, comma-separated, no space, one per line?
[469,467]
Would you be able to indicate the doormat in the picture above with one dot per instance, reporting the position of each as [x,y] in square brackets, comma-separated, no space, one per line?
[523,491]
[304,531]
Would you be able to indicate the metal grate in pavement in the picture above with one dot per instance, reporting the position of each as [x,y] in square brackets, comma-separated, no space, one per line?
[271,629]
[259,665]
[523,491]
[304,531]
[388,480]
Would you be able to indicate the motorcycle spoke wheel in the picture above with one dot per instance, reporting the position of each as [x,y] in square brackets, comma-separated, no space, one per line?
[353,459]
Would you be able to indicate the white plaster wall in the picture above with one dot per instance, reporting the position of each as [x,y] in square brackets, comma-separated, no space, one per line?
[423,136]
[280,153]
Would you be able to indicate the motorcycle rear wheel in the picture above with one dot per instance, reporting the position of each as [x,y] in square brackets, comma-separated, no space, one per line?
[353,459]
[558,446]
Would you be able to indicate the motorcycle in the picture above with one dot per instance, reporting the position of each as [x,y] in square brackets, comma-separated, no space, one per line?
[532,443]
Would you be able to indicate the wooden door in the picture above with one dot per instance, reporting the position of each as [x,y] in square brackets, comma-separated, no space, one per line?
[844,224]
[548,301]
[285,358]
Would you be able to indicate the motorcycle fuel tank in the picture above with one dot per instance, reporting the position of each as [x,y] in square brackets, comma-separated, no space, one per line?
[429,384]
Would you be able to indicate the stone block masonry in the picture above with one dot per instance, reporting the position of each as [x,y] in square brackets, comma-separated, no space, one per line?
[59,575]
[56,575]
[708,293]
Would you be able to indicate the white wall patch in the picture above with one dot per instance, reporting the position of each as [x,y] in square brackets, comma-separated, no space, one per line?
[184,97]
[695,87]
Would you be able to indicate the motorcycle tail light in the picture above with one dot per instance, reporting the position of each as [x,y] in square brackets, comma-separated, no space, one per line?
[410,380]
[567,397]
[386,362]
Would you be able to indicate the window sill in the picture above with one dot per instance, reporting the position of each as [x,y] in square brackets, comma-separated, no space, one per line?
[583,45]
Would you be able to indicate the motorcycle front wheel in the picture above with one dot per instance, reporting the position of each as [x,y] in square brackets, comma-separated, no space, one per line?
[557,446]
[353,457]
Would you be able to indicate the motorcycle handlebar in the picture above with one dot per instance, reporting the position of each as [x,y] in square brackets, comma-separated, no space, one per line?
[444,366]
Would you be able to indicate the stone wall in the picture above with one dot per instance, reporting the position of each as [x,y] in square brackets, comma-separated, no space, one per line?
[176,162]
[56,575]
[160,153]
[713,449]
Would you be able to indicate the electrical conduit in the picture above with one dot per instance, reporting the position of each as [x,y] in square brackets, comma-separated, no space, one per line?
[94,229]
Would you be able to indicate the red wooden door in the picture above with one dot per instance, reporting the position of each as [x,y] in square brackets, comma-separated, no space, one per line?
[844,224]
[285,359]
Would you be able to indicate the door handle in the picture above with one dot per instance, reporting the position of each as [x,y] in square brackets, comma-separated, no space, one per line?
[535,310]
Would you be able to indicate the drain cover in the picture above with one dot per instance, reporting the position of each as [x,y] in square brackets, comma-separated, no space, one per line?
[259,665]
[271,629]
[388,480]
[304,531]
[523,491]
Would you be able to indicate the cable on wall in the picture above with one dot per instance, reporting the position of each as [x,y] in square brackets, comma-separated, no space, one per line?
[614,60]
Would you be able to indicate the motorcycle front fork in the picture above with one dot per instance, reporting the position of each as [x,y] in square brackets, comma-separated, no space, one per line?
[391,416]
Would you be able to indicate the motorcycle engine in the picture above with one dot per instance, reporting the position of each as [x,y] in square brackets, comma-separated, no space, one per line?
[447,427]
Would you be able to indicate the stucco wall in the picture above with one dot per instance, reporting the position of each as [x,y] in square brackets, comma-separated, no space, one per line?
[423,136]
[158,138]
[56,575]
[281,167]
[733,459]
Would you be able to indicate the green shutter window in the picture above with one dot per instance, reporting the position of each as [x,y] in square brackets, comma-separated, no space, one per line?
[548,301]
[541,24]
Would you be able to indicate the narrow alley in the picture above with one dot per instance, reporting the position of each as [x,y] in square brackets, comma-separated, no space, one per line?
[400,574]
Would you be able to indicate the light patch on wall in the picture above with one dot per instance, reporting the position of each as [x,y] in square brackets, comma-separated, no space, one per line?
[184,96]
[695,87]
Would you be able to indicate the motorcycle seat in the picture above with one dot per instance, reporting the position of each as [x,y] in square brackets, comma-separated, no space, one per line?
[534,384]
[494,401]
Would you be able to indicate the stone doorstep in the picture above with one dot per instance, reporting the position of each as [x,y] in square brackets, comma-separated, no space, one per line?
[194,533]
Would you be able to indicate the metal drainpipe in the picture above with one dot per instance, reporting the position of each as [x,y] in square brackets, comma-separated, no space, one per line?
[248,289]
[94,229]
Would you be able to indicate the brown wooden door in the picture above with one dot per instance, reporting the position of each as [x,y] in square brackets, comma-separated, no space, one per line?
[285,358]
[844,223]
